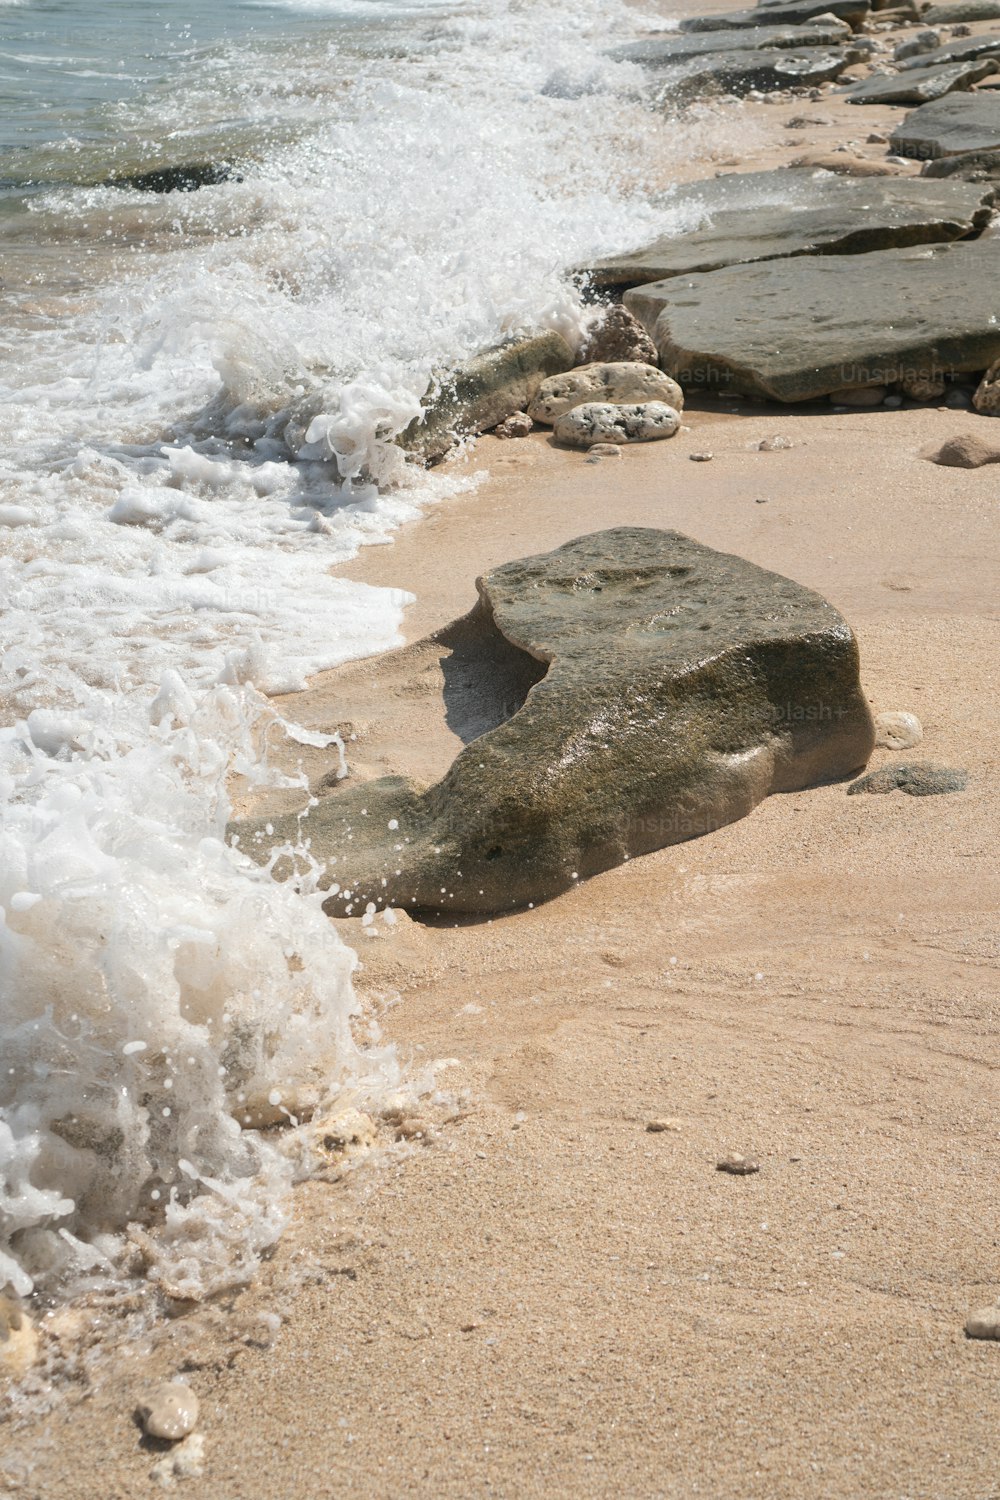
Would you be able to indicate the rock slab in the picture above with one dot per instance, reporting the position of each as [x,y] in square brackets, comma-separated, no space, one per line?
[751,216]
[668,688]
[739,73]
[678,46]
[793,330]
[786,12]
[960,11]
[952,126]
[921,85]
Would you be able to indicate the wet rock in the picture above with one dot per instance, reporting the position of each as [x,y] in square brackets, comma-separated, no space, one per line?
[753,216]
[617,336]
[791,330]
[742,73]
[169,1411]
[738,1166]
[666,689]
[601,422]
[898,731]
[517,425]
[922,386]
[18,1337]
[916,778]
[987,397]
[625,382]
[984,1324]
[920,85]
[678,46]
[188,177]
[962,10]
[965,451]
[484,392]
[952,126]
[786,12]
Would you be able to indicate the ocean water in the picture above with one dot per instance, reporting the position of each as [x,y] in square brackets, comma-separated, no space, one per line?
[199,394]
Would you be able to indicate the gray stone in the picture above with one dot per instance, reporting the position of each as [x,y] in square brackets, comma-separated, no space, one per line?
[598,422]
[664,689]
[918,778]
[987,397]
[964,49]
[616,335]
[962,10]
[738,73]
[917,46]
[793,330]
[920,85]
[485,391]
[622,382]
[966,451]
[788,12]
[751,216]
[957,124]
[971,166]
[677,46]
[185,177]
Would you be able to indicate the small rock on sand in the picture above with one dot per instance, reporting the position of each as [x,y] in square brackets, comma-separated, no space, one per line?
[916,778]
[626,382]
[169,1411]
[897,731]
[987,397]
[984,1323]
[657,1126]
[701,458]
[517,425]
[603,422]
[774,444]
[738,1166]
[965,451]
[618,336]
[603,450]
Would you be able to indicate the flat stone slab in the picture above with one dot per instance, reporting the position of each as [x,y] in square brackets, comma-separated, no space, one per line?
[739,72]
[789,12]
[751,216]
[673,688]
[973,166]
[921,85]
[678,46]
[963,50]
[960,11]
[951,126]
[793,330]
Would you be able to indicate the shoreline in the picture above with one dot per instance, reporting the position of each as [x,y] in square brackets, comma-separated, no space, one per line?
[544,1297]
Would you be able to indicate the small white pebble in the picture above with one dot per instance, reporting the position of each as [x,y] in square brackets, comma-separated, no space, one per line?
[170,1411]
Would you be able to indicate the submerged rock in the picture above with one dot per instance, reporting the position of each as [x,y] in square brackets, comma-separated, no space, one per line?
[665,690]
[917,778]
[951,126]
[186,178]
[617,336]
[484,392]
[792,330]
[920,85]
[620,382]
[750,216]
[599,422]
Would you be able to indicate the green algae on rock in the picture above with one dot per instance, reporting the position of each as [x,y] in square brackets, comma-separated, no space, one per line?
[665,689]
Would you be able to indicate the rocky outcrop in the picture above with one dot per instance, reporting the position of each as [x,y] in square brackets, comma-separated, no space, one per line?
[792,330]
[485,391]
[598,423]
[679,46]
[749,216]
[621,382]
[957,124]
[667,689]
[785,13]
[920,85]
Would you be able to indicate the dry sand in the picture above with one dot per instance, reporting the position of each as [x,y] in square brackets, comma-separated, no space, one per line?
[546,1299]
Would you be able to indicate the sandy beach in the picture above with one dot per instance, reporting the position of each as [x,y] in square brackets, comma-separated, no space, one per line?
[531,1293]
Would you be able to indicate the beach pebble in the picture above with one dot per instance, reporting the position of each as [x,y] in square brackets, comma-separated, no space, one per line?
[170,1411]
[922,387]
[898,731]
[616,336]
[737,1166]
[966,451]
[983,1324]
[18,1337]
[666,1123]
[860,396]
[893,402]
[602,422]
[517,425]
[603,450]
[773,444]
[626,382]
[701,458]
[987,397]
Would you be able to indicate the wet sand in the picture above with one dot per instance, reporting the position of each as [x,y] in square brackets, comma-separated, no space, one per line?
[541,1297]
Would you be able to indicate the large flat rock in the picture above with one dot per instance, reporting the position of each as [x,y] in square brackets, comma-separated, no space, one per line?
[677,46]
[738,73]
[666,689]
[950,127]
[961,11]
[750,216]
[788,12]
[793,330]
[962,50]
[921,85]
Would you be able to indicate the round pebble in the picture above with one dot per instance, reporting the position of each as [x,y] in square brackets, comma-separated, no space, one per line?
[737,1166]
[170,1411]
[984,1324]
[701,458]
[898,731]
